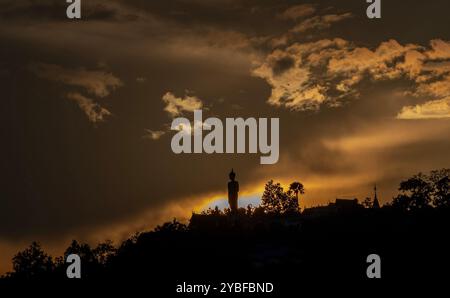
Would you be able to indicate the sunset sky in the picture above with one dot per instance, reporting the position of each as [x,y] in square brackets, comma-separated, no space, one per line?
[86,106]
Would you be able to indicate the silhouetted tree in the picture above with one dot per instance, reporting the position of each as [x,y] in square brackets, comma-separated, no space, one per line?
[83,250]
[92,262]
[250,210]
[272,197]
[367,203]
[276,200]
[258,211]
[420,191]
[250,236]
[104,251]
[297,188]
[441,187]
[210,211]
[415,193]
[32,263]
[171,226]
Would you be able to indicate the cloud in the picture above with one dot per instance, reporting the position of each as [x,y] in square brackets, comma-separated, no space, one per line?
[440,49]
[367,138]
[50,10]
[353,64]
[290,74]
[297,11]
[391,60]
[412,64]
[186,129]
[109,175]
[305,76]
[176,105]
[320,22]
[436,88]
[154,134]
[93,111]
[435,109]
[96,82]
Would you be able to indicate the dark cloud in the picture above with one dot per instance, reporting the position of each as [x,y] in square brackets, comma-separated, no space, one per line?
[29,11]
[283,64]
[298,11]
[96,82]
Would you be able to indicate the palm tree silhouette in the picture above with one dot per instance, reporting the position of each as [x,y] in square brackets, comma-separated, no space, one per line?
[297,188]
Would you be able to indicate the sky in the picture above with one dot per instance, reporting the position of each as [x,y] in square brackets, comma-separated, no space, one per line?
[86,107]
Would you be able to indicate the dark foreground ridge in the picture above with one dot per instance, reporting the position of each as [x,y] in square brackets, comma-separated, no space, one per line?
[273,243]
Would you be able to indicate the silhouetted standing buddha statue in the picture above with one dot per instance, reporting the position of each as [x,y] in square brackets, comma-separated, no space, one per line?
[233,189]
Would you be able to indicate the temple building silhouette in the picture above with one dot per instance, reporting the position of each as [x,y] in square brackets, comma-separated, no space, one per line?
[342,206]
[218,219]
[376,204]
[346,206]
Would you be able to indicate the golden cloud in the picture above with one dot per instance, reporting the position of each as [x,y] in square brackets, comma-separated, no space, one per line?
[320,22]
[176,105]
[434,109]
[299,82]
[297,11]
[93,111]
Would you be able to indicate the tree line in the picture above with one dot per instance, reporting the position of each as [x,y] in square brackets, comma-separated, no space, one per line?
[420,192]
